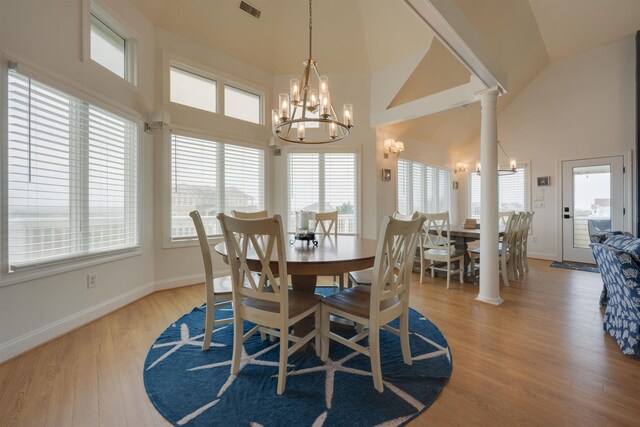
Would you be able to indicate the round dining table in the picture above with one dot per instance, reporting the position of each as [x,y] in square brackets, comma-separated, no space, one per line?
[333,255]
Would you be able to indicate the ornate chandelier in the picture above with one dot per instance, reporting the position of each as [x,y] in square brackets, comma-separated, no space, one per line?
[305,115]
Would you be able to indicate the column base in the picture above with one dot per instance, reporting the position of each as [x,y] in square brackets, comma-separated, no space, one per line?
[493,301]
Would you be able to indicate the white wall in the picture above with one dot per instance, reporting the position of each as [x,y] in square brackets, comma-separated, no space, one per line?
[46,37]
[576,108]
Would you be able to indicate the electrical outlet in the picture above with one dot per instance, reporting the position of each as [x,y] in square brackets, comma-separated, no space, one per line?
[92,280]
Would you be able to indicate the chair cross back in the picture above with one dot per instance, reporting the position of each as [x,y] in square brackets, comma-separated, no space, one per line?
[328,222]
[250,215]
[432,232]
[403,217]
[261,239]
[394,259]
[505,217]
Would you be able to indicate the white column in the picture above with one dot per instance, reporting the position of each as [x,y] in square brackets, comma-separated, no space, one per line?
[489,281]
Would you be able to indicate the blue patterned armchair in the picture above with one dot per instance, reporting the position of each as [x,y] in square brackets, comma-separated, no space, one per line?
[619,264]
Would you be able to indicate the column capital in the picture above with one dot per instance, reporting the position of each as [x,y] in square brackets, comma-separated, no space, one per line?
[488,95]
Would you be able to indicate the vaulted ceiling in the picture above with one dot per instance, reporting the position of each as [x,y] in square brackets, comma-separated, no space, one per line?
[363,36]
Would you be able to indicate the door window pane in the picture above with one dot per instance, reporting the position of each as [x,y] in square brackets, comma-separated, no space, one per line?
[591,202]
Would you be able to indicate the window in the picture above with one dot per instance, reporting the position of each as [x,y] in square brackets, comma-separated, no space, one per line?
[512,192]
[110,47]
[212,177]
[192,90]
[241,104]
[72,177]
[324,182]
[422,187]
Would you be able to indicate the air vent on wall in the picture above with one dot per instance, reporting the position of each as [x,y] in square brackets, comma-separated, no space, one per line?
[250,9]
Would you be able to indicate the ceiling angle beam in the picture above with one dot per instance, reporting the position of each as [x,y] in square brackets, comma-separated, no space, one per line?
[455,32]
[441,101]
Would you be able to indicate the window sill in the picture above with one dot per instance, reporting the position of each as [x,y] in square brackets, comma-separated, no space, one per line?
[34,273]
[187,243]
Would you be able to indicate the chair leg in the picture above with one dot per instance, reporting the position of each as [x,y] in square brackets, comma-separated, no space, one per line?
[473,264]
[525,260]
[341,282]
[421,269]
[448,273]
[433,271]
[284,353]
[404,335]
[318,322]
[505,273]
[324,333]
[374,350]
[237,344]
[209,320]
[461,270]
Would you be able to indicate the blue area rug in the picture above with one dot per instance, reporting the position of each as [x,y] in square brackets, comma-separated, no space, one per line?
[192,387]
[575,266]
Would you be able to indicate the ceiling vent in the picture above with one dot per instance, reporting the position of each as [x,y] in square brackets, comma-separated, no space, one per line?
[250,9]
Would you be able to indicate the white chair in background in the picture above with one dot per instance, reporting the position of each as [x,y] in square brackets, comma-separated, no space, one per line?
[384,301]
[328,222]
[218,290]
[437,248]
[250,215]
[265,300]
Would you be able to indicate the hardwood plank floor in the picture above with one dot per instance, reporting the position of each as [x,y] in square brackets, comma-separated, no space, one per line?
[540,359]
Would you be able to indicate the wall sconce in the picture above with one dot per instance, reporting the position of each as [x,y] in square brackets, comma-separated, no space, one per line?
[392,146]
[461,168]
[157,120]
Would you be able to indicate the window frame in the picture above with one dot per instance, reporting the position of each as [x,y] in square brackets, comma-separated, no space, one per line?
[428,164]
[324,150]
[167,242]
[62,84]
[221,78]
[526,165]
[109,18]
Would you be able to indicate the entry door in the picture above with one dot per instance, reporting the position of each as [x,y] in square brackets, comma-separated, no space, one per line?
[592,202]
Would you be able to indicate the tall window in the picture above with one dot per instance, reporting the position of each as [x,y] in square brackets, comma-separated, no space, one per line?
[422,187]
[512,192]
[110,47]
[72,176]
[324,182]
[212,177]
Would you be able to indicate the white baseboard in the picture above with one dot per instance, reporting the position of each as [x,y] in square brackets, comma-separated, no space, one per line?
[539,255]
[46,333]
[178,282]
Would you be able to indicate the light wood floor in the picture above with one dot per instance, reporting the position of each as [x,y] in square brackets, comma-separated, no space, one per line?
[541,359]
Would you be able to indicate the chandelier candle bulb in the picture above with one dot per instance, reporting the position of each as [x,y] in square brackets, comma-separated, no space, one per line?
[513,165]
[284,106]
[313,102]
[294,85]
[301,131]
[478,167]
[275,119]
[333,130]
[348,114]
[399,146]
[324,86]
[326,105]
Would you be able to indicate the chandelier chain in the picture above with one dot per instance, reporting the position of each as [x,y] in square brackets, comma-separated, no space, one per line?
[310,29]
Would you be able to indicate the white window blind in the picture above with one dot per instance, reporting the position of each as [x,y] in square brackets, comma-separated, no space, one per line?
[422,187]
[72,176]
[512,192]
[324,182]
[212,177]
[192,90]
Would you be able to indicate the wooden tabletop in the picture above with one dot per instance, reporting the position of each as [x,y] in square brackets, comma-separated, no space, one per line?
[332,255]
[470,233]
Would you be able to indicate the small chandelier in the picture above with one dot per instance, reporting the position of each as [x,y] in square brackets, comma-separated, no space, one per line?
[513,165]
[305,115]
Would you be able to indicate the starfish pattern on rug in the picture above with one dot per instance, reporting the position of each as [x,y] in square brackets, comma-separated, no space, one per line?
[245,360]
[185,339]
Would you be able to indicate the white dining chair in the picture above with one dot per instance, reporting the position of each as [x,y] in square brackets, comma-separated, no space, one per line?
[218,290]
[250,215]
[265,300]
[387,298]
[437,248]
